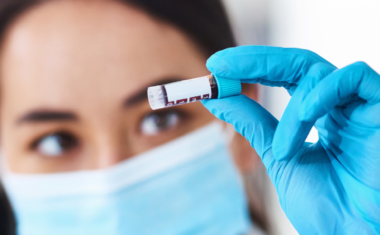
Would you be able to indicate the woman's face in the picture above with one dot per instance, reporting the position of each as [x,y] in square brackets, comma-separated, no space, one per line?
[74,77]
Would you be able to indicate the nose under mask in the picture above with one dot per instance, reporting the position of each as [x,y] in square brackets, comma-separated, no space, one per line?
[187,186]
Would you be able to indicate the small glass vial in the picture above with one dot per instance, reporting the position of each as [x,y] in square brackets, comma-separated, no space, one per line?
[192,90]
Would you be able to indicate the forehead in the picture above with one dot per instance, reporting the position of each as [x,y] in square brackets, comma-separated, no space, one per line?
[62,49]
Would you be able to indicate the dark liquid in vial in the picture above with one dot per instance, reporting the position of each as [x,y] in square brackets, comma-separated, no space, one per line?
[214,88]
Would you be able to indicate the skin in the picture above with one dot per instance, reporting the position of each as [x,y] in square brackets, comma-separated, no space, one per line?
[85,60]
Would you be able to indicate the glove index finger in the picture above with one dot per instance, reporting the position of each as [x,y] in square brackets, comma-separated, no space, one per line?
[291,132]
[271,66]
[355,79]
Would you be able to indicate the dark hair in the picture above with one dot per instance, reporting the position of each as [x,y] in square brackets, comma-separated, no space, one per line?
[204,21]
[7,220]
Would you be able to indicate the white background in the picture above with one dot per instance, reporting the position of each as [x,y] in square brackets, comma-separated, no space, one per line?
[341,31]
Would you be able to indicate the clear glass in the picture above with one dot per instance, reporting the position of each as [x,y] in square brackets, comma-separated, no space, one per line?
[182,92]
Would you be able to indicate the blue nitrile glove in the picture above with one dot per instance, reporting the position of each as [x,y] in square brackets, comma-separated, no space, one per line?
[333,186]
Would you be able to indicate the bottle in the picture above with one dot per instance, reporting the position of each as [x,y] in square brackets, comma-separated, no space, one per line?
[192,90]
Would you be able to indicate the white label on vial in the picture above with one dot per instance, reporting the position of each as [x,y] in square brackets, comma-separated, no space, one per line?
[188,91]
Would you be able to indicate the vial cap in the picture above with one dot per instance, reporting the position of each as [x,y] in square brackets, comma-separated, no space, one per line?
[228,87]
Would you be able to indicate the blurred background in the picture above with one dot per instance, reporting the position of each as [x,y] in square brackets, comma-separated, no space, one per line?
[341,31]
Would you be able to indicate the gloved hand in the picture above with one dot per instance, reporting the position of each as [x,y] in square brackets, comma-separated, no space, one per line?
[330,187]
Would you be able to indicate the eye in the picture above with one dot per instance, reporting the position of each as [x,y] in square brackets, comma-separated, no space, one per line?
[157,122]
[56,144]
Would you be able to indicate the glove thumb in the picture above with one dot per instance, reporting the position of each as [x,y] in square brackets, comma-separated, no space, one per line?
[250,119]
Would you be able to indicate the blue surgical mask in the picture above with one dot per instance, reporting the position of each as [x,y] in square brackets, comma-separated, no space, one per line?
[188,186]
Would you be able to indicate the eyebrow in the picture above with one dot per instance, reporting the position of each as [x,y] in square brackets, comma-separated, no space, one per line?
[42,115]
[46,116]
[141,95]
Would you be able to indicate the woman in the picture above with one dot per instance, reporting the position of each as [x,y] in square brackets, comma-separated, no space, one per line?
[84,153]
